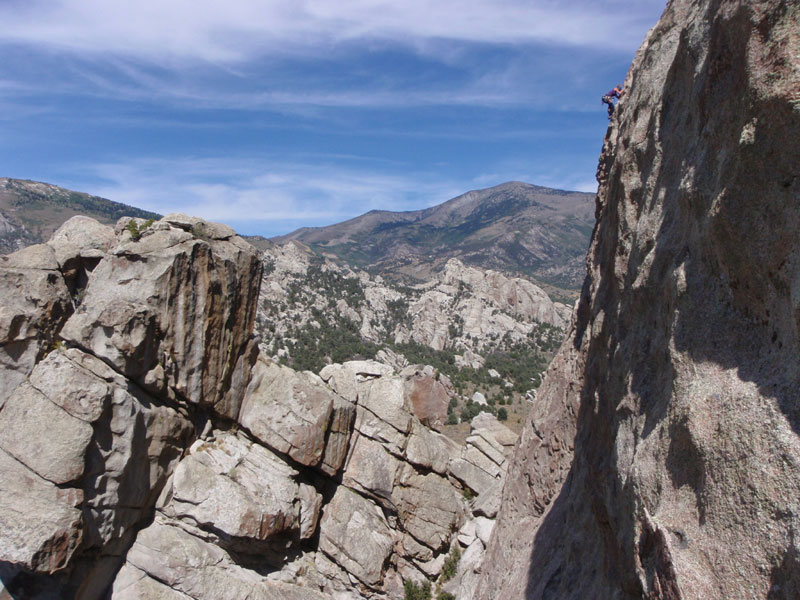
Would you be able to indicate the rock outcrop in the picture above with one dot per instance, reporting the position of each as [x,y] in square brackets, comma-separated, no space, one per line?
[119,348]
[173,312]
[467,307]
[662,459]
[149,451]
[36,303]
[468,310]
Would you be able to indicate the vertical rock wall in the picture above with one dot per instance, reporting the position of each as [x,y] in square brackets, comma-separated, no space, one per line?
[662,459]
[119,345]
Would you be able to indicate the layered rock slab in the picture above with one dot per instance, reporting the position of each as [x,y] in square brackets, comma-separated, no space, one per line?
[289,411]
[241,493]
[354,533]
[107,442]
[41,523]
[168,563]
[429,507]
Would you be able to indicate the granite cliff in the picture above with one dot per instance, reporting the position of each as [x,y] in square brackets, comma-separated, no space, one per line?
[662,459]
[149,450]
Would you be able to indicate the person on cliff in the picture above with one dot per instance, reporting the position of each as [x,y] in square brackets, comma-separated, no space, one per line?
[617,93]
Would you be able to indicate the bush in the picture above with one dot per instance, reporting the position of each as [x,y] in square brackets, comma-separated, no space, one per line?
[445,596]
[136,230]
[452,419]
[502,414]
[417,592]
[451,564]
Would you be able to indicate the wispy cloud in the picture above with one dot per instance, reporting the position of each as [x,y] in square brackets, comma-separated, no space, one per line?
[239,30]
[522,81]
[269,197]
[299,55]
[273,196]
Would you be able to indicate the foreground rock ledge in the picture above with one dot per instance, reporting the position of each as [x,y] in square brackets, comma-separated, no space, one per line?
[177,463]
[120,345]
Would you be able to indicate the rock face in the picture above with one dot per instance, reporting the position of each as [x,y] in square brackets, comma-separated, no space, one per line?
[483,305]
[662,459]
[355,534]
[117,347]
[428,397]
[36,303]
[168,563]
[288,410]
[148,451]
[177,336]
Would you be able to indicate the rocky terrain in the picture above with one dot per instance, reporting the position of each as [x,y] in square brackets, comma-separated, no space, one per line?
[31,211]
[662,458]
[514,227]
[483,331]
[465,309]
[161,437]
[150,450]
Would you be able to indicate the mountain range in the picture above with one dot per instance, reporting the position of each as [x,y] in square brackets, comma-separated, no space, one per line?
[514,227]
[30,211]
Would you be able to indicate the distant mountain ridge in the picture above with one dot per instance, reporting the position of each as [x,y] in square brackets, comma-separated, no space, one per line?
[30,211]
[515,227]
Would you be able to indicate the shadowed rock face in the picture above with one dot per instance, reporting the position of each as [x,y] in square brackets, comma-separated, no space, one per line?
[36,303]
[171,311]
[662,458]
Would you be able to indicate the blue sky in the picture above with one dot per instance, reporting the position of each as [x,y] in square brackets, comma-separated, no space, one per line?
[276,114]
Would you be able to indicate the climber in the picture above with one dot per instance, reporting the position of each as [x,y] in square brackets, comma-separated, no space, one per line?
[617,92]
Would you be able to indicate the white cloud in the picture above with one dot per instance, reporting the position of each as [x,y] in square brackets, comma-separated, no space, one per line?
[268,197]
[297,56]
[234,31]
[273,197]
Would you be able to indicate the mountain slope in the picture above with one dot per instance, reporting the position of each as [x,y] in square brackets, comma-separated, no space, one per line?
[514,227]
[31,211]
